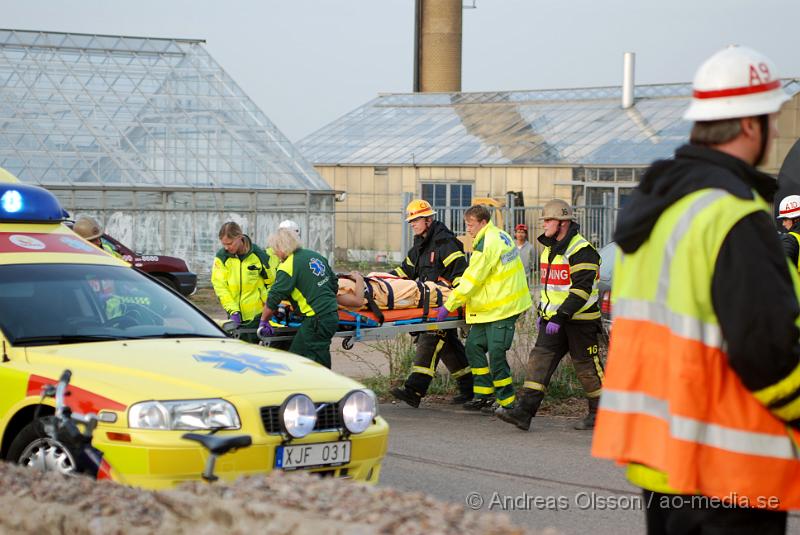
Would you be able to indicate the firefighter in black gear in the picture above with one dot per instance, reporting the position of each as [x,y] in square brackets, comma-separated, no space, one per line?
[569,317]
[438,256]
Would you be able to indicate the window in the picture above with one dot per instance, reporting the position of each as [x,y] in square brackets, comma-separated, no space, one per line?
[450,201]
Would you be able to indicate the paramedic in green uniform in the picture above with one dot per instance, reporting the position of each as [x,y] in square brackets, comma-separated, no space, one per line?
[305,278]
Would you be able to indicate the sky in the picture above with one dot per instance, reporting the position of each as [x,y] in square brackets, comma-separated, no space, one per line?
[307,62]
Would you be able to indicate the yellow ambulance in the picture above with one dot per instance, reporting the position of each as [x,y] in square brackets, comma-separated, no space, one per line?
[153,367]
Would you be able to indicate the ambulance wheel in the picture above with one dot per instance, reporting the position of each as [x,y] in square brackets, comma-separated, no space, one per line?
[34,449]
[348,343]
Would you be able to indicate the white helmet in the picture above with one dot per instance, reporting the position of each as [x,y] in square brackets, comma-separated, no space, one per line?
[789,207]
[735,82]
[288,224]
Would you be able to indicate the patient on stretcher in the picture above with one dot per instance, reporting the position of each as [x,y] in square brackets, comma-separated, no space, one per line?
[387,292]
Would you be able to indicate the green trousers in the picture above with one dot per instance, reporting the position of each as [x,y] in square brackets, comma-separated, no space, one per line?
[492,376]
[313,338]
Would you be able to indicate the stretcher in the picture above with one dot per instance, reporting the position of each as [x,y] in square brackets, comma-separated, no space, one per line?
[366,326]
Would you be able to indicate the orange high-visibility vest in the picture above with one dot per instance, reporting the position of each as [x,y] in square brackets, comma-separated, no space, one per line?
[671,403]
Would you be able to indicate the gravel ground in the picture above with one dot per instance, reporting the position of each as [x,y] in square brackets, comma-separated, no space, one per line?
[299,503]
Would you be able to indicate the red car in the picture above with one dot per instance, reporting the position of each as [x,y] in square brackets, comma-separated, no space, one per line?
[169,270]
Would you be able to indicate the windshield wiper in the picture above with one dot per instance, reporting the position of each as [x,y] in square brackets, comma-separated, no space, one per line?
[179,335]
[67,339]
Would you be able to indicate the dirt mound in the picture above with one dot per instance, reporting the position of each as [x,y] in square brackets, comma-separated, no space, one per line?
[299,503]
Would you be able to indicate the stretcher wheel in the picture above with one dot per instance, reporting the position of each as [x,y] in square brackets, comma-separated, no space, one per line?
[348,343]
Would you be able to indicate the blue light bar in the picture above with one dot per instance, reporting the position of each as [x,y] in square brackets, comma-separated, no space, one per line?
[25,203]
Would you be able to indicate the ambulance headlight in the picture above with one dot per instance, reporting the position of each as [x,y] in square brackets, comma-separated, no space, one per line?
[357,410]
[184,415]
[298,415]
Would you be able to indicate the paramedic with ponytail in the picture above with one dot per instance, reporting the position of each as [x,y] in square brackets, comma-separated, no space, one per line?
[700,398]
[435,256]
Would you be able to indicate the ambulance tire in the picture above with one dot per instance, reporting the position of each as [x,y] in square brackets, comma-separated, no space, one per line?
[33,448]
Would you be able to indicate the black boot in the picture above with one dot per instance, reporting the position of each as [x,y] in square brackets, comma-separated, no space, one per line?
[588,423]
[464,390]
[404,394]
[525,407]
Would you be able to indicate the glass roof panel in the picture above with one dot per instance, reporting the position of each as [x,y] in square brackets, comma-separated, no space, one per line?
[128,111]
[579,126]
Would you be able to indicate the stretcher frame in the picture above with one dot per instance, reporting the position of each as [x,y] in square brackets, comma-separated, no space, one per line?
[367,331]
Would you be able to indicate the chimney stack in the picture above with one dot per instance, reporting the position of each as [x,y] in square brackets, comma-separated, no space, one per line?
[437,46]
[628,82]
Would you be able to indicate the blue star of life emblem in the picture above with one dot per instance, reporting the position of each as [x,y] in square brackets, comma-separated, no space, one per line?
[317,267]
[506,239]
[241,362]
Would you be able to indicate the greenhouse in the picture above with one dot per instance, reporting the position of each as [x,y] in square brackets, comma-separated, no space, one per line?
[155,140]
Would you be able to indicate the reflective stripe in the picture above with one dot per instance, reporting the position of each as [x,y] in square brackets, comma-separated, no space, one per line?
[598,366]
[456,281]
[400,272]
[680,230]
[558,287]
[533,385]
[575,246]
[503,275]
[678,324]
[480,371]
[461,373]
[483,389]
[505,402]
[449,260]
[498,302]
[469,279]
[409,262]
[587,316]
[692,430]
[579,293]
[594,393]
[788,412]
[782,389]
[423,370]
[584,266]
[502,382]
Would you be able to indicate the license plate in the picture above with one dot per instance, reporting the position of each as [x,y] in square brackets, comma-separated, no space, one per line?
[308,455]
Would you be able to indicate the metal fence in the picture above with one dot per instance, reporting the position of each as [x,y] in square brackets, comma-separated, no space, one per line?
[389,237]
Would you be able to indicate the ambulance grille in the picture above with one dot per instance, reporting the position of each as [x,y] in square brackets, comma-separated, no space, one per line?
[327,418]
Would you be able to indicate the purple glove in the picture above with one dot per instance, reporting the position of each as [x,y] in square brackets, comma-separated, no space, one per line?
[552,328]
[442,313]
[538,323]
[236,318]
[265,329]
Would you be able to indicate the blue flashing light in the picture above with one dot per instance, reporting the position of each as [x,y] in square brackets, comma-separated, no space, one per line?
[25,203]
[11,201]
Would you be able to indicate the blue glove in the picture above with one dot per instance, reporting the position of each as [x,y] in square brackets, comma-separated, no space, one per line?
[265,329]
[442,313]
[236,318]
[552,328]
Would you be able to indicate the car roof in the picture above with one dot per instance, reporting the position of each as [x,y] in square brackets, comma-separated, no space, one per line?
[49,243]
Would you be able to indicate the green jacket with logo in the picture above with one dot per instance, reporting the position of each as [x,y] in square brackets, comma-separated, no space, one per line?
[307,279]
[241,281]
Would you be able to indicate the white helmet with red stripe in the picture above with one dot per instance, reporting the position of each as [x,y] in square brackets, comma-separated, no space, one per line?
[789,207]
[735,82]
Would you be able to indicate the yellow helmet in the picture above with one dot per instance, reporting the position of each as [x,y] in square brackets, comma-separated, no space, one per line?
[419,208]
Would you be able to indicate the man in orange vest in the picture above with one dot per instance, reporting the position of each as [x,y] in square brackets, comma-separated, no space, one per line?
[701,398]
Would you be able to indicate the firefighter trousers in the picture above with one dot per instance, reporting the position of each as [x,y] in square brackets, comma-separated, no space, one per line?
[580,339]
[492,376]
[432,347]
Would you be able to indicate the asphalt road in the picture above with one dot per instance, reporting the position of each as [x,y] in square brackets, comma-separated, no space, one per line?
[544,478]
